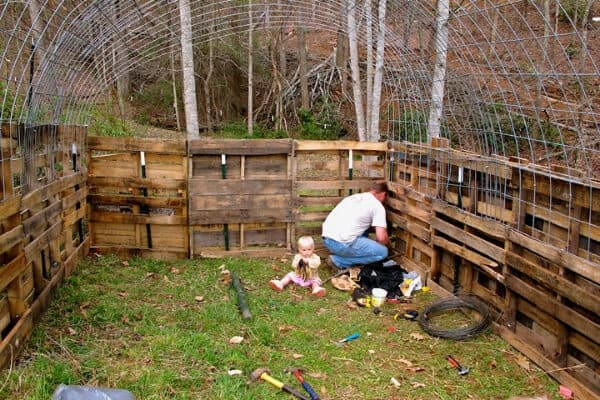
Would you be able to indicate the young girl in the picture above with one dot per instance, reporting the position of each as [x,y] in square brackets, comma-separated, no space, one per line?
[306,264]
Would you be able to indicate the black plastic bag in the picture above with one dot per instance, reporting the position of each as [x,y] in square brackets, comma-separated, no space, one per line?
[386,274]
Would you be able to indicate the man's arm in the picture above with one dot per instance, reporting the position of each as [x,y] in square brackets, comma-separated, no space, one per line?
[381,235]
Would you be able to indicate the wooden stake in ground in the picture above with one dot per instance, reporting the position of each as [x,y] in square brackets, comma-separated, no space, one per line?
[241,295]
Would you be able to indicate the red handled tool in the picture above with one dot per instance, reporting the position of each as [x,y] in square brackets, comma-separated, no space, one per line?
[461,370]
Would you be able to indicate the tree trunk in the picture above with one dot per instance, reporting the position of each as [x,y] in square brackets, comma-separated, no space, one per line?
[121,62]
[439,71]
[187,64]
[378,78]
[370,69]
[356,89]
[341,58]
[250,72]
[303,68]
[211,67]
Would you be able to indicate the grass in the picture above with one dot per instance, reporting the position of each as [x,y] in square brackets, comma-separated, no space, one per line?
[162,329]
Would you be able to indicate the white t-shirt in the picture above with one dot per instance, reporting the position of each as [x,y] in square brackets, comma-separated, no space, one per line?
[353,216]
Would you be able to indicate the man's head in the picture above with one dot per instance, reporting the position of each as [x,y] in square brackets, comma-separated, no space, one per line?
[379,190]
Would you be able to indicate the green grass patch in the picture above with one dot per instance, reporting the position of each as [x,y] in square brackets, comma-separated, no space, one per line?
[162,329]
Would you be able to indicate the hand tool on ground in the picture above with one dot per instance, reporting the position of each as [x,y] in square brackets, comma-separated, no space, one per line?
[305,385]
[264,374]
[461,370]
[355,335]
[335,275]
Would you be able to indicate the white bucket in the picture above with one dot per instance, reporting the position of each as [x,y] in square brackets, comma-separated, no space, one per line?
[379,296]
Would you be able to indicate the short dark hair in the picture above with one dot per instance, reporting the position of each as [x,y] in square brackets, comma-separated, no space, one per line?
[380,187]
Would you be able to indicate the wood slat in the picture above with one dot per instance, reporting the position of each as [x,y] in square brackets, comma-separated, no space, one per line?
[554,281]
[492,228]
[247,147]
[125,218]
[494,252]
[228,187]
[562,258]
[239,216]
[11,238]
[136,182]
[124,200]
[130,144]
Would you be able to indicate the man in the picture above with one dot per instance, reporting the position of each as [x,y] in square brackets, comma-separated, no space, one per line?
[346,228]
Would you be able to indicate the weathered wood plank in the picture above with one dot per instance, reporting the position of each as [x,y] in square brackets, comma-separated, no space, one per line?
[562,258]
[494,252]
[150,201]
[556,371]
[572,192]
[229,187]
[41,218]
[41,242]
[142,219]
[467,254]
[149,145]
[11,238]
[246,147]
[240,216]
[12,345]
[554,281]
[341,184]
[136,182]
[492,228]
[12,270]
[237,202]
[318,145]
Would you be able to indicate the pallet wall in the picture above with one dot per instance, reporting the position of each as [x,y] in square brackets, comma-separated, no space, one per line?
[523,238]
[138,197]
[240,197]
[43,231]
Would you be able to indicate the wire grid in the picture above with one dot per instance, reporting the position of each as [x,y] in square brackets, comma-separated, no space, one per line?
[522,77]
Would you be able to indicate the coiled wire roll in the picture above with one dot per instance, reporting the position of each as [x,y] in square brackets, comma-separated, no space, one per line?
[453,304]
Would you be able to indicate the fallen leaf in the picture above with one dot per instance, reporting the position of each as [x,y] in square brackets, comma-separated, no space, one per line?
[149,274]
[371,351]
[297,356]
[493,364]
[417,336]
[523,362]
[285,328]
[174,270]
[233,372]
[166,279]
[316,375]
[415,369]
[71,331]
[222,266]
[125,319]
[395,382]
[283,260]
[391,329]
[405,362]
[123,294]
[125,263]
[225,272]
[236,340]
[199,299]
[417,384]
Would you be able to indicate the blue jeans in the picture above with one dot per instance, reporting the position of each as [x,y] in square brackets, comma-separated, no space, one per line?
[359,252]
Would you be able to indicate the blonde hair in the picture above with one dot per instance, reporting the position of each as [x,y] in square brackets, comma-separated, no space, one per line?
[306,241]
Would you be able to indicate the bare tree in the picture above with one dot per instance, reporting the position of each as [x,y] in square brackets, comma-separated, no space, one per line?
[187,64]
[302,67]
[356,88]
[207,78]
[250,71]
[439,70]
[378,77]
[370,69]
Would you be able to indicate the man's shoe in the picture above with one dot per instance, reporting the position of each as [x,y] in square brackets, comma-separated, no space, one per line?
[331,264]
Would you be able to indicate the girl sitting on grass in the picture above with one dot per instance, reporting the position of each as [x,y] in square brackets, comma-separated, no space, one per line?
[306,269]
